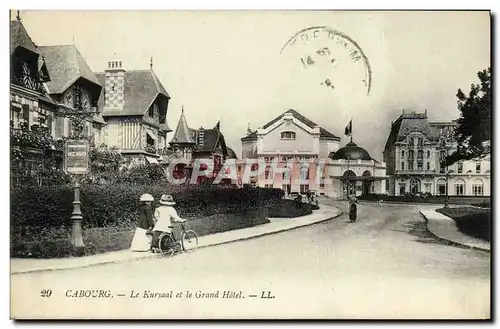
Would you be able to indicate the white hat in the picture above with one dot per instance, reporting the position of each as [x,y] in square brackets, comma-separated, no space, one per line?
[167,200]
[146,197]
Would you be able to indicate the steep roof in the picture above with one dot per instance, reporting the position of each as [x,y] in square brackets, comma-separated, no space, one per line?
[140,90]
[231,154]
[182,134]
[408,122]
[66,65]
[210,139]
[324,134]
[19,37]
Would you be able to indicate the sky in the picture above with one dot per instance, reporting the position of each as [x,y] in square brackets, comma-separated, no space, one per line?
[229,65]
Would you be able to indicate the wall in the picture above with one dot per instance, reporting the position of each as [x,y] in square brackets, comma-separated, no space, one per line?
[326,147]
[304,141]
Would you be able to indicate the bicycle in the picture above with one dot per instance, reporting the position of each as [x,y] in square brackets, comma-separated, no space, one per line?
[168,245]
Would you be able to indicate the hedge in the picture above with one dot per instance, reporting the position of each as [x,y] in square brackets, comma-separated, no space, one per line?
[117,205]
[471,221]
[41,224]
[291,209]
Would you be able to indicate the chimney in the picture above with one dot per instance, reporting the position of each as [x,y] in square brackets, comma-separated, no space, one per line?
[201,133]
[249,131]
[114,86]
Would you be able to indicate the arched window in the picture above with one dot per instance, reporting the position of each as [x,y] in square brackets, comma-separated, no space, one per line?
[367,173]
[441,186]
[477,187]
[414,186]
[304,172]
[287,135]
[459,187]
[420,154]
[411,155]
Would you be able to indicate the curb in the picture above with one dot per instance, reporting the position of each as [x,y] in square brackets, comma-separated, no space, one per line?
[151,256]
[451,242]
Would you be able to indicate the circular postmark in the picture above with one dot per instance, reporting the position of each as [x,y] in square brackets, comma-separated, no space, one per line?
[336,57]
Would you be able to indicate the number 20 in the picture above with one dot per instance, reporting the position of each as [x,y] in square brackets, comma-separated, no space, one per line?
[46,292]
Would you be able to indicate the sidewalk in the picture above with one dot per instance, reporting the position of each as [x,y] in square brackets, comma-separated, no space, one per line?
[24,265]
[445,228]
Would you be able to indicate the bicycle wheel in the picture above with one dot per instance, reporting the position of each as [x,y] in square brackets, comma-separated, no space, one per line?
[189,240]
[165,244]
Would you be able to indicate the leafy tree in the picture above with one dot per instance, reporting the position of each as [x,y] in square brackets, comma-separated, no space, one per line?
[473,133]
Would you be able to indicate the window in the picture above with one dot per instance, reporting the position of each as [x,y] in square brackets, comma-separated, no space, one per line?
[304,188]
[478,168]
[402,188]
[441,187]
[410,165]
[402,153]
[266,173]
[402,166]
[420,154]
[268,185]
[304,173]
[420,142]
[287,135]
[42,118]
[420,165]
[322,183]
[442,155]
[412,142]
[151,111]
[266,159]
[477,189]
[427,187]
[460,167]
[460,187]
[77,91]
[411,155]
[428,166]
[286,175]
[428,154]
[26,116]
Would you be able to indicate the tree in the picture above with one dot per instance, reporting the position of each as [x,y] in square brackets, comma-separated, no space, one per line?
[473,133]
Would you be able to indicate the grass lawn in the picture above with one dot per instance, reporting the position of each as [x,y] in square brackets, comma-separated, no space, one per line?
[471,221]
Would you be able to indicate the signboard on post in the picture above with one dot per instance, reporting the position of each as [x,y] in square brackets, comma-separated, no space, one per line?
[76,157]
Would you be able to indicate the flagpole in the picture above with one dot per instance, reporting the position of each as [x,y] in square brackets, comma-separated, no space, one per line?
[351,129]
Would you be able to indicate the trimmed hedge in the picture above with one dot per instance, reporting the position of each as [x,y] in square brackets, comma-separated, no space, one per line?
[471,221]
[439,199]
[290,209]
[41,224]
[117,205]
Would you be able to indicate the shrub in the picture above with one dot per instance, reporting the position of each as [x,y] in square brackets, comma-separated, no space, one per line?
[117,205]
[289,209]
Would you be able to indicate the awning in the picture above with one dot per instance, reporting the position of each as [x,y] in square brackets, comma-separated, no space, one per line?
[151,135]
[358,178]
[151,160]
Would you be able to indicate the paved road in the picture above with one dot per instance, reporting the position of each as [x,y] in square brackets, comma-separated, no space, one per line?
[384,266]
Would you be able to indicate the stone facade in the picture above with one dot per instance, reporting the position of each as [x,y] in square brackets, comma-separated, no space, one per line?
[414,151]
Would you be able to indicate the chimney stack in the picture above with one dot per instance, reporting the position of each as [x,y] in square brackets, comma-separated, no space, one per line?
[114,86]
[201,133]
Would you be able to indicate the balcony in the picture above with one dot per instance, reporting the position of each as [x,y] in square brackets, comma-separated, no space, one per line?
[415,172]
[150,149]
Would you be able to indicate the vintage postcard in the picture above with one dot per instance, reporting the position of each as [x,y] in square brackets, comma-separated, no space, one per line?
[250,165]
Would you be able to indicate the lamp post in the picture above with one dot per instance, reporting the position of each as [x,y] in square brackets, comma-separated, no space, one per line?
[447,139]
[76,163]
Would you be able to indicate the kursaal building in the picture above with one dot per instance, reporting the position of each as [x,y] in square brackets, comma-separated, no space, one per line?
[301,156]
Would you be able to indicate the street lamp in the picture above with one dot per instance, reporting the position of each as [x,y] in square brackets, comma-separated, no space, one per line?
[76,162]
[447,140]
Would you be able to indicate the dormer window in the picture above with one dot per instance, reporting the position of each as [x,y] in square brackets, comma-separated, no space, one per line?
[288,135]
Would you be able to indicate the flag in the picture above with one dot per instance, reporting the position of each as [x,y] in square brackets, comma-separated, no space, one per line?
[217,126]
[348,129]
